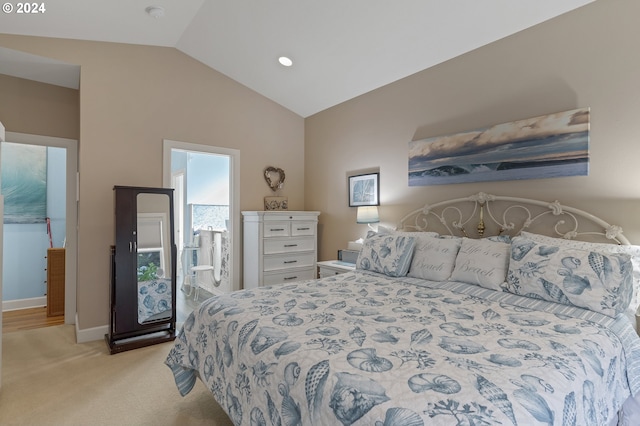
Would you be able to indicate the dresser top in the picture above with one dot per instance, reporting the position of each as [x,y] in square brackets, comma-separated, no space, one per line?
[281,214]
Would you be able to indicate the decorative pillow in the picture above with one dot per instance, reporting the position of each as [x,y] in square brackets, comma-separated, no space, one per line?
[482,262]
[500,238]
[496,238]
[434,258]
[587,279]
[386,254]
[385,230]
[631,250]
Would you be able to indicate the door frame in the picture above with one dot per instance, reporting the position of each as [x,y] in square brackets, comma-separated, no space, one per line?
[71,207]
[234,193]
[71,263]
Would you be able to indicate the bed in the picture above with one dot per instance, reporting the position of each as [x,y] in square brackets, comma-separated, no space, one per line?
[485,320]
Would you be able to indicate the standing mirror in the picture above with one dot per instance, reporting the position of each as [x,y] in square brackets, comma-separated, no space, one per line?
[154,270]
[143,270]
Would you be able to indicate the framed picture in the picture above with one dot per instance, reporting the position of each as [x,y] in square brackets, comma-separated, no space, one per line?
[549,146]
[24,183]
[364,190]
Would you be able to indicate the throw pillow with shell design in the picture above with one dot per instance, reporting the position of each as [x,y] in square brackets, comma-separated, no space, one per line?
[631,250]
[386,254]
[600,282]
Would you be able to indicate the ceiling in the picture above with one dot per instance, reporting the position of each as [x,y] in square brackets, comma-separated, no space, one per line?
[340,48]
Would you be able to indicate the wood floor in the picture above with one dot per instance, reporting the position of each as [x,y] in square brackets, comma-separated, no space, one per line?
[25,319]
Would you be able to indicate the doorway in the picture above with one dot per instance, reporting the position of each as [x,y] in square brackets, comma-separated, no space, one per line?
[61,163]
[206,199]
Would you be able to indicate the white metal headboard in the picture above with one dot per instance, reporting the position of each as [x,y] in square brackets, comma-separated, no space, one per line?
[482,213]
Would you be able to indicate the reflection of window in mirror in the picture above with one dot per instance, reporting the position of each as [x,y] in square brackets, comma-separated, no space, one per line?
[152,236]
[153,257]
[150,264]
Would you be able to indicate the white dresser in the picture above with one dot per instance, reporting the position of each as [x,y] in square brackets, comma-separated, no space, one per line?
[279,247]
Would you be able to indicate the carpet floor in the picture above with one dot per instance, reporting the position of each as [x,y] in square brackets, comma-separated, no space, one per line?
[48,379]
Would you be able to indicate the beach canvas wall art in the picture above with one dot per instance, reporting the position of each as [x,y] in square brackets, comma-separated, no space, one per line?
[24,183]
[549,146]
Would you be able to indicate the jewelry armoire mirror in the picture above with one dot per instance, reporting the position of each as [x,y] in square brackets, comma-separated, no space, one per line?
[143,270]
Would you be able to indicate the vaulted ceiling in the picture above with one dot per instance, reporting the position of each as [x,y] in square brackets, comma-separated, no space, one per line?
[340,48]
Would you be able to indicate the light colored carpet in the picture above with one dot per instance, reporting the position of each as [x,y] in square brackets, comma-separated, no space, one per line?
[48,379]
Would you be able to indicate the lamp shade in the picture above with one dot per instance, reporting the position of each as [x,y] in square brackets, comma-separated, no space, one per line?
[368,214]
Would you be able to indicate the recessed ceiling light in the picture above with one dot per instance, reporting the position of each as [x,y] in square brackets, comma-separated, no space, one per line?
[155,11]
[285,61]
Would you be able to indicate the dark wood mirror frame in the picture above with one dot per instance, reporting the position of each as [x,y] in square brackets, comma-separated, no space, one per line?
[127,329]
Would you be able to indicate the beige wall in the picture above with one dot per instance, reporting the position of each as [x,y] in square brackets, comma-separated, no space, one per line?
[587,58]
[27,106]
[131,98]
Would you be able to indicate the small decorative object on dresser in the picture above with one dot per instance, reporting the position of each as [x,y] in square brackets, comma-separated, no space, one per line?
[334,267]
[276,203]
[274,177]
[279,247]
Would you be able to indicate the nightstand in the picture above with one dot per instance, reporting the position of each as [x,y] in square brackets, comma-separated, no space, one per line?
[334,267]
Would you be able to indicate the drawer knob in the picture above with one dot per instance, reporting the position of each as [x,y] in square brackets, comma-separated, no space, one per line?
[291,245]
[290,261]
[277,229]
[290,278]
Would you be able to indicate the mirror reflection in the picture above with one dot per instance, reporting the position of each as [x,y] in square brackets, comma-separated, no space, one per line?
[153,257]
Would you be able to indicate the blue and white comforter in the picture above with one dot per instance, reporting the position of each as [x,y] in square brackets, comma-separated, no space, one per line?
[154,297]
[366,349]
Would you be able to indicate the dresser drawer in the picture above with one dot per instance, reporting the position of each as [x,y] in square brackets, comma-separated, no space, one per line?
[276,229]
[287,277]
[303,228]
[297,260]
[279,247]
[288,245]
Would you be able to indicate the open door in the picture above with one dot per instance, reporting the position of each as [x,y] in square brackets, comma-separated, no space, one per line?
[71,177]
[172,151]
[2,138]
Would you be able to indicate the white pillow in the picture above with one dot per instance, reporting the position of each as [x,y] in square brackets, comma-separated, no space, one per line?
[482,262]
[434,258]
[631,250]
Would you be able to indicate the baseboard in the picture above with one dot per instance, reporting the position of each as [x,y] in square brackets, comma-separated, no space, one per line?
[34,302]
[90,334]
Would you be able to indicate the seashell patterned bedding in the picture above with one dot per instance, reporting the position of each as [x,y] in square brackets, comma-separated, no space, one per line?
[533,330]
[377,350]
